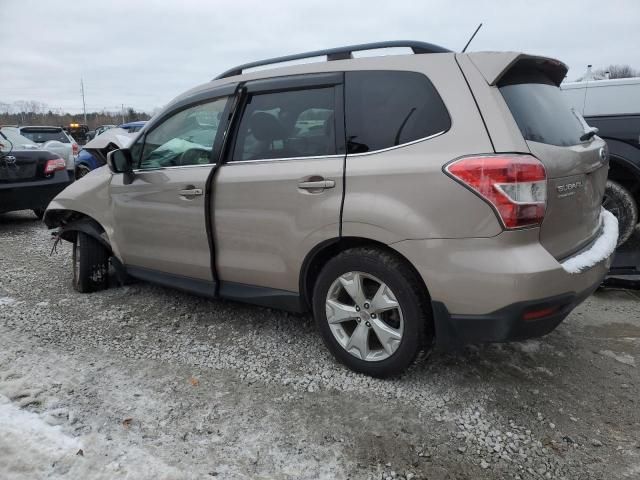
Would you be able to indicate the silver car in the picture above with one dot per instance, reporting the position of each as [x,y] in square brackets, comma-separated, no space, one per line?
[406,200]
[56,140]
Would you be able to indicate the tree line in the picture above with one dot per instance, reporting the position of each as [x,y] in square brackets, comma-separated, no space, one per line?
[37,113]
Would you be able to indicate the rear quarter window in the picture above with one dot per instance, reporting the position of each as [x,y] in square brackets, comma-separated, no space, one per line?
[389,108]
[540,109]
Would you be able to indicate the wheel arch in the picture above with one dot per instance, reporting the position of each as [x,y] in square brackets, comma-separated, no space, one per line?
[624,166]
[324,251]
[70,222]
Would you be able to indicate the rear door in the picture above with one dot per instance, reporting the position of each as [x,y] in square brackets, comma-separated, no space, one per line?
[160,217]
[279,193]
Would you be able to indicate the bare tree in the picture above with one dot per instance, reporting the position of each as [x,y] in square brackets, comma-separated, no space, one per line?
[619,71]
[30,112]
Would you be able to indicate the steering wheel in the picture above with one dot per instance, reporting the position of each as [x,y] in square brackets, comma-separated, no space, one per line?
[193,155]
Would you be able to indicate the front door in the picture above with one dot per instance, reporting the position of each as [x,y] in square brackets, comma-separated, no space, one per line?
[159,217]
[279,193]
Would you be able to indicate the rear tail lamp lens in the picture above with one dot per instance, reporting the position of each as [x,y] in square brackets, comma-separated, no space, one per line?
[514,185]
[75,148]
[54,165]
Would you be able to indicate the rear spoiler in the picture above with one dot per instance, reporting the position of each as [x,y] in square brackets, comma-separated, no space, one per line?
[494,65]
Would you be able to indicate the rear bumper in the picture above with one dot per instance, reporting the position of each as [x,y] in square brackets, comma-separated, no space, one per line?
[506,324]
[32,194]
[481,288]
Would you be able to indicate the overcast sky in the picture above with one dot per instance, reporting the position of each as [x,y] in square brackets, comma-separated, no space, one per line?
[143,53]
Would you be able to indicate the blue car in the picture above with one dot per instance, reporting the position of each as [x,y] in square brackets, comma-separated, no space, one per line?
[94,153]
[133,127]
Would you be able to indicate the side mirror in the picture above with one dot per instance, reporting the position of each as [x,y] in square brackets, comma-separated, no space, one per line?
[120,161]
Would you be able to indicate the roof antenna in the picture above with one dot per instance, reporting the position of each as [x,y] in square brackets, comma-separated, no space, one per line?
[472,37]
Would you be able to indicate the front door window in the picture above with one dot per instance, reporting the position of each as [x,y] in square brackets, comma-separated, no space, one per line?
[185,138]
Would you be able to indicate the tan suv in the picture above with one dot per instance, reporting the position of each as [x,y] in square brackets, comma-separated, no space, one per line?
[406,200]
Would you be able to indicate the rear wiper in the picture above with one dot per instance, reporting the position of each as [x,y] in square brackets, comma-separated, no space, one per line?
[589,134]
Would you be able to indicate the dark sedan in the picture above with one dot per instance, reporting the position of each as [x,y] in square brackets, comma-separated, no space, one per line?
[29,176]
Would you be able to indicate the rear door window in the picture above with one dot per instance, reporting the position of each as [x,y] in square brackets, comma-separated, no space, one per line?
[287,124]
[540,109]
[390,108]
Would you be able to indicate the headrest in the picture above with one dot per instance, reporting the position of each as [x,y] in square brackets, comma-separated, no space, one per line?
[265,127]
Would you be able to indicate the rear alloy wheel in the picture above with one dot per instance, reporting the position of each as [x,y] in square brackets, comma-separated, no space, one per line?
[90,264]
[368,329]
[372,311]
[619,201]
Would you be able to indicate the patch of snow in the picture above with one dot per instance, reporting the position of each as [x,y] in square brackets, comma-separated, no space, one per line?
[619,357]
[530,346]
[602,248]
[28,445]
[4,301]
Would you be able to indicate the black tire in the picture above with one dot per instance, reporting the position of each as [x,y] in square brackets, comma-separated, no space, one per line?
[409,292]
[619,201]
[81,171]
[90,264]
[38,212]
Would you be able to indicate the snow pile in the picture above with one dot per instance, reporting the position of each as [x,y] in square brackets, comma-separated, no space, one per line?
[29,447]
[6,301]
[601,249]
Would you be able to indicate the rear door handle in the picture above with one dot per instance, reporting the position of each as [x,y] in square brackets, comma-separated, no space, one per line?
[317,184]
[191,192]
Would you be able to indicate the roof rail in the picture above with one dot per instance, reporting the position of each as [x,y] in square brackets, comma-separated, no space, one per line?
[339,53]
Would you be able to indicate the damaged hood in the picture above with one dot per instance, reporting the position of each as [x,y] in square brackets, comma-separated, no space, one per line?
[117,136]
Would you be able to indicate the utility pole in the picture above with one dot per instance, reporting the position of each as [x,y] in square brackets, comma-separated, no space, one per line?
[84,107]
[122,112]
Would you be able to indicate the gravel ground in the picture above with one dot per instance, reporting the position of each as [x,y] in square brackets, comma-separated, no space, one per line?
[144,382]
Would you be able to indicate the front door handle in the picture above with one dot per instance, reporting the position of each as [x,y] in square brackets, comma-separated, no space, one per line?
[191,192]
[317,184]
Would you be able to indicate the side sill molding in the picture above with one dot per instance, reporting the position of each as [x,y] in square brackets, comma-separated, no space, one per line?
[263,296]
[202,288]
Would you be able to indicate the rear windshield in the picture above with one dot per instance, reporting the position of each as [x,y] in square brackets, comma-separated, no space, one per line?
[10,139]
[540,110]
[43,136]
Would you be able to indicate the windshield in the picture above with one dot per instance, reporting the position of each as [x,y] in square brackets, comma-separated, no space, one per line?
[540,110]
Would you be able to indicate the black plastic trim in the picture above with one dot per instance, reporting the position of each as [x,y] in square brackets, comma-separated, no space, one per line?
[339,53]
[204,288]
[84,225]
[505,324]
[295,82]
[263,296]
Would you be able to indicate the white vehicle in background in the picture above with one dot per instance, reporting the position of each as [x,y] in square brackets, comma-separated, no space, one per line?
[613,107]
[55,140]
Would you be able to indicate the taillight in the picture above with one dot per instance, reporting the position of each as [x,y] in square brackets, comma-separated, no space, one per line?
[54,165]
[515,185]
[75,148]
